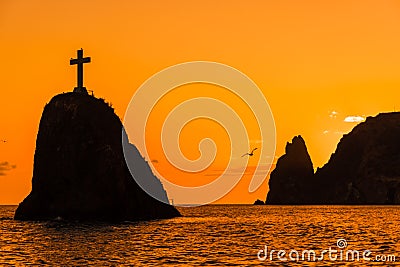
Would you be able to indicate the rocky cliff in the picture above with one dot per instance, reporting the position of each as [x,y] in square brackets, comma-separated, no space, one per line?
[365,169]
[80,171]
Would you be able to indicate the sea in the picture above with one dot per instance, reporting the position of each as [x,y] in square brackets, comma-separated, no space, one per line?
[212,235]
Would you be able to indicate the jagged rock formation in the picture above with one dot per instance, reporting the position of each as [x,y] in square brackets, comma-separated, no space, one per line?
[79,168]
[365,168]
[289,181]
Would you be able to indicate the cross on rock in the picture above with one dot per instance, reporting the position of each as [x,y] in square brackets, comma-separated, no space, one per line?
[80,60]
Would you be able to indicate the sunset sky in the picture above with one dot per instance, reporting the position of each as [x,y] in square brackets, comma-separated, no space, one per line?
[323,66]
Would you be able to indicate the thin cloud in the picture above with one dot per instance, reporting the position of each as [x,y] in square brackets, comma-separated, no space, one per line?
[5,167]
[354,119]
[333,114]
[333,132]
[262,170]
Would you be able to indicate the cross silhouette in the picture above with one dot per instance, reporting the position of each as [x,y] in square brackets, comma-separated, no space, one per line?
[80,60]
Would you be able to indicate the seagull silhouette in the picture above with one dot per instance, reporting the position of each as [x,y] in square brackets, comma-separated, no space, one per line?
[250,154]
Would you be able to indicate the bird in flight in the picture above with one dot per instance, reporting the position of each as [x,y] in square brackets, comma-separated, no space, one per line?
[251,153]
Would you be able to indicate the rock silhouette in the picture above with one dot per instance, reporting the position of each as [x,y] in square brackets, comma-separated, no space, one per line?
[290,180]
[79,168]
[258,202]
[365,169]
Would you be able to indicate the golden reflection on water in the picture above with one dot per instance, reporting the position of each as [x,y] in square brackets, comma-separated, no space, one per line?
[209,236]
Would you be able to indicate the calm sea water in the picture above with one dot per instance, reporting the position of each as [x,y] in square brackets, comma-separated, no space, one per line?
[216,235]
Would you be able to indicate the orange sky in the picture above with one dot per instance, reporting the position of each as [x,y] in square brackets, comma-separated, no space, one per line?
[309,58]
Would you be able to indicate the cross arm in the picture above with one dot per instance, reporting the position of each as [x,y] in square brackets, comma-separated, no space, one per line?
[79,60]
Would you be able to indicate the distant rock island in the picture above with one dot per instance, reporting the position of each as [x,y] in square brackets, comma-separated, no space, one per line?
[258,202]
[365,168]
[79,168]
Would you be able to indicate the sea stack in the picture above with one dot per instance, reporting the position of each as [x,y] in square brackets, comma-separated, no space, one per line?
[80,171]
[289,181]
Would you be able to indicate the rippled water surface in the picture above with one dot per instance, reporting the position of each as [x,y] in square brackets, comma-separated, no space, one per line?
[218,235]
